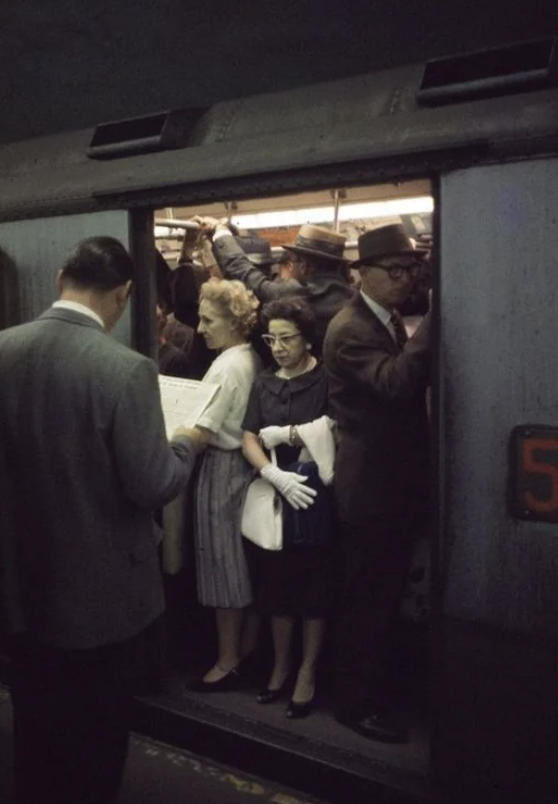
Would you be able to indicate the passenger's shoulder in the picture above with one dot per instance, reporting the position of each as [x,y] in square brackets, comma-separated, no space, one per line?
[245,363]
[121,360]
[18,331]
[265,378]
[347,320]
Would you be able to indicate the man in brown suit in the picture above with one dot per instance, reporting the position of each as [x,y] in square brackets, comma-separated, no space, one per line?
[378,380]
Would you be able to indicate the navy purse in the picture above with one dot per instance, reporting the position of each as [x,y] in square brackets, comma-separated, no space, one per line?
[313,526]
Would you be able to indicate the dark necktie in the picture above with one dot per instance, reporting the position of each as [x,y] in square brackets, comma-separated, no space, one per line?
[399,328]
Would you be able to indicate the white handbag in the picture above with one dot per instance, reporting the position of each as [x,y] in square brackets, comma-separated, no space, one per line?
[262,520]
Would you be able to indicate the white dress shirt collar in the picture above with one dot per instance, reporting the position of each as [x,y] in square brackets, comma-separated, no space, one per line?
[79,308]
[381,312]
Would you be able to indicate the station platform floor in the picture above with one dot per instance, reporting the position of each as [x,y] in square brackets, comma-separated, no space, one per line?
[157,773]
[315,755]
[322,760]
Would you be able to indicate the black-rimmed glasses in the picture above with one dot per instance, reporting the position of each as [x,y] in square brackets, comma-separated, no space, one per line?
[396,271]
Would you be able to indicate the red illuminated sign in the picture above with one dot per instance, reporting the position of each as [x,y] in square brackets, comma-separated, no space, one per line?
[534,473]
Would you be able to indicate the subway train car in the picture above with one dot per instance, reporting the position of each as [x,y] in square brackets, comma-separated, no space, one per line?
[478,136]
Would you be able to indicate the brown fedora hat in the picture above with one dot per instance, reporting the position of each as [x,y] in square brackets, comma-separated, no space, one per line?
[385,241]
[317,241]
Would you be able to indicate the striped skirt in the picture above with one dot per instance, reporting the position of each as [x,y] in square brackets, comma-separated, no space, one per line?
[222,572]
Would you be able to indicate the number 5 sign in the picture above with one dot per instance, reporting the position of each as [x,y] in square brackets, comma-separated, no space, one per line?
[534,472]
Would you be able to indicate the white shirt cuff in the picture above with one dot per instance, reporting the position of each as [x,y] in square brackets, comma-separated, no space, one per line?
[222,233]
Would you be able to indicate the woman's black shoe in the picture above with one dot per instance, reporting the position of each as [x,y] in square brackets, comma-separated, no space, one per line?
[296,711]
[228,683]
[268,696]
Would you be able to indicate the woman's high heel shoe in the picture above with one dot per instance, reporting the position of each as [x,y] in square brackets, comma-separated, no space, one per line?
[227,683]
[268,696]
[296,711]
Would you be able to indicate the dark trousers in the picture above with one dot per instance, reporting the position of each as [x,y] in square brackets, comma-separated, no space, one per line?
[375,565]
[72,712]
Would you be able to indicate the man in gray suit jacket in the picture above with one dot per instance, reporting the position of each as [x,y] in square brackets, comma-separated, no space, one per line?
[377,388]
[85,460]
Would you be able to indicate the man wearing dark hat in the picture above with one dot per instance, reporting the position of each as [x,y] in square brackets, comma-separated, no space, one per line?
[378,380]
[319,271]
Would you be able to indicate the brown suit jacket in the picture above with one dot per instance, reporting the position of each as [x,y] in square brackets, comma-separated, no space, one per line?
[377,396]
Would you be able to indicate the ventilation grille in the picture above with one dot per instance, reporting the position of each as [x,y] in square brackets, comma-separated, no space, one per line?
[157,132]
[506,70]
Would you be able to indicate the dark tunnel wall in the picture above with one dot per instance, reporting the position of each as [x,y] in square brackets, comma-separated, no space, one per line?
[72,65]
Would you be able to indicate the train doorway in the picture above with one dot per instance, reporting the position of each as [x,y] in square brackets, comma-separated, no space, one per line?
[190,629]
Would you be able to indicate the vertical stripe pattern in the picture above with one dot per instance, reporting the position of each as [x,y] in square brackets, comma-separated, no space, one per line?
[222,572]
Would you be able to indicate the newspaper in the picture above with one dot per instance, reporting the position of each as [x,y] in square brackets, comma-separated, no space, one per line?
[184,401]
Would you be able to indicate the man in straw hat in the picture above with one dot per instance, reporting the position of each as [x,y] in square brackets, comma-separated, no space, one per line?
[378,380]
[319,270]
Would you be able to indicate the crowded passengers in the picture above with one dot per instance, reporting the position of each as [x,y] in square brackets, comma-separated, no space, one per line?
[322,402]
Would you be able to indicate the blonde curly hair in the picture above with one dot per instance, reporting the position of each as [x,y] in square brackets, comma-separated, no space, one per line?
[234,301]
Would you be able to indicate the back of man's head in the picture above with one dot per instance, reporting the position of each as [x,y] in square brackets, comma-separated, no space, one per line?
[99,264]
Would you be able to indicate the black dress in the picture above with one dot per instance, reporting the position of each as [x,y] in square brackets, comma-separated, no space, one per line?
[295,581]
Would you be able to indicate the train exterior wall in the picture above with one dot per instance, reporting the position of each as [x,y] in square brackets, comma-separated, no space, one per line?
[37,249]
[499,330]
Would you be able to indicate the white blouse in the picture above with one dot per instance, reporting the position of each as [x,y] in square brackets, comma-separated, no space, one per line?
[234,370]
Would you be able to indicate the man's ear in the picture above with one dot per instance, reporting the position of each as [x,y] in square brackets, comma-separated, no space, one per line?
[123,293]
[305,267]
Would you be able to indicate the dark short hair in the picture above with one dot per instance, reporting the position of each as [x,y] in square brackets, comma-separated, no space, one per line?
[99,263]
[291,309]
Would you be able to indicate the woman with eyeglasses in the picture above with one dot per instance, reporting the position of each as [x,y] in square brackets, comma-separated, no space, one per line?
[295,583]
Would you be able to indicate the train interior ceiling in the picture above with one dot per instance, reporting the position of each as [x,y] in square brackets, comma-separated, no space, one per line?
[350,211]
[190,637]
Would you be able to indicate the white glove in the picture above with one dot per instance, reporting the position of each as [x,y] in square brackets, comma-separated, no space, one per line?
[272,436]
[290,485]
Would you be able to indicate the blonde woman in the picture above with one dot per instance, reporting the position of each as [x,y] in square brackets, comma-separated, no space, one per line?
[227,314]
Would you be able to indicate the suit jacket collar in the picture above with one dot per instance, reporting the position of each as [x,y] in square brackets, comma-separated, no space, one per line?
[71,317]
[301,383]
[365,313]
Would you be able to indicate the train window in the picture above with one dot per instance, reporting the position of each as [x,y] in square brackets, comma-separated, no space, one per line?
[349,211]
[191,627]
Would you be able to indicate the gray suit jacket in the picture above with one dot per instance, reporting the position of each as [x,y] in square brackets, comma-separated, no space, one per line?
[85,460]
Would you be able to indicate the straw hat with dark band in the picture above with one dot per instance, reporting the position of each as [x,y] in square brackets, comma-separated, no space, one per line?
[315,241]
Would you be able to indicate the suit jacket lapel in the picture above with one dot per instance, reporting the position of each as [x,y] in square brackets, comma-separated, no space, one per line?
[371,320]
